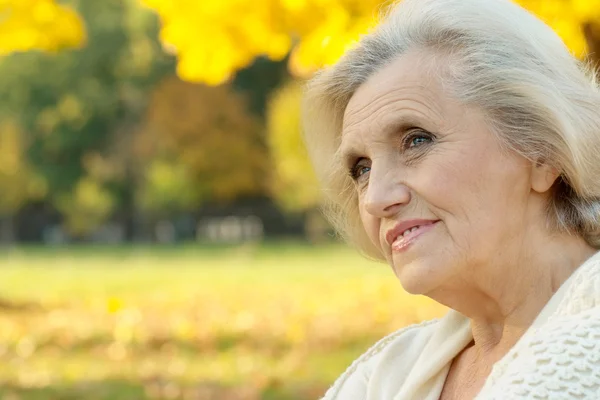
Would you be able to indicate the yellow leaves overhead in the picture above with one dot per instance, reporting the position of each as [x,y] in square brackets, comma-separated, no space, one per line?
[38,25]
[566,17]
[213,39]
[210,41]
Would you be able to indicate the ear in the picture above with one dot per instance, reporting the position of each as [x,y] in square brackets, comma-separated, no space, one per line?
[543,177]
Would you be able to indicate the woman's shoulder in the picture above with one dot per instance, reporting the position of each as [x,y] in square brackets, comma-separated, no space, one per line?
[583,292]
[564,346]
[394,350]
[560,359]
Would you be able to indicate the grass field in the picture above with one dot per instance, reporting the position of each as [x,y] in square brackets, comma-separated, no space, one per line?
[278,321]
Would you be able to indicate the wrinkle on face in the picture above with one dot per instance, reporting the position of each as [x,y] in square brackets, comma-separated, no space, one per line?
[490,255]
[457,179]
[402,102]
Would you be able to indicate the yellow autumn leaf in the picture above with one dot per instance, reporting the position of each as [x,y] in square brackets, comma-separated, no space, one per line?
[214,39]
[38,25]
[114,305]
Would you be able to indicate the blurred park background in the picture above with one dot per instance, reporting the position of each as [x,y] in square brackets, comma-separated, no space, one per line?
[159,227]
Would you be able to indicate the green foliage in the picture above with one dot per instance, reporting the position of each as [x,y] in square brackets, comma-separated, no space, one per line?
[204,141]
[108,129]
[260,80]
[167,187]
[18,183]
[86,206]
[83,103]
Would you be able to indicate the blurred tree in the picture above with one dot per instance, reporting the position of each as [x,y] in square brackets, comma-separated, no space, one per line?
[199,143]
[79,108]
[294,185]
[40,25]
[259,80]
[167,187]
[15,174]
[86,206]
[316,32]
[18,183]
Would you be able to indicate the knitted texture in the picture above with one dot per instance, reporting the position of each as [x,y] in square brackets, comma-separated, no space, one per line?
[333,391]
[560,359]
[557,358]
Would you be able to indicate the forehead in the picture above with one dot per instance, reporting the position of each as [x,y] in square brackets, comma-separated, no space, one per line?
[405,87]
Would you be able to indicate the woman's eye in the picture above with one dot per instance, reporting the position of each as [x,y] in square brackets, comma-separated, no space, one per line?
[359,169]
[417,139]
[362,170]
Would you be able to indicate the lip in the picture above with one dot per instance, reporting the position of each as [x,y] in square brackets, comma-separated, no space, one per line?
[393,234]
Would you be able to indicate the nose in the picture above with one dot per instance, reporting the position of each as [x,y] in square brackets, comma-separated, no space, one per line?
[386,194]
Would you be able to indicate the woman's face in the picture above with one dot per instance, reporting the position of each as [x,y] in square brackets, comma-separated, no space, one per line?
[437,194]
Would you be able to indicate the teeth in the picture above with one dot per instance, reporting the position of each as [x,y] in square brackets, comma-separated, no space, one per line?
[406,232]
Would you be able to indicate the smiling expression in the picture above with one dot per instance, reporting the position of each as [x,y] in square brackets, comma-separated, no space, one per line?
[438,195]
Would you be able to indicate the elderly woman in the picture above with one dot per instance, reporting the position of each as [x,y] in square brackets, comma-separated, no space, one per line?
[460,143]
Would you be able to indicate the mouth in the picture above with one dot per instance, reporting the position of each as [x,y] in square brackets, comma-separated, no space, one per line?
[406,233]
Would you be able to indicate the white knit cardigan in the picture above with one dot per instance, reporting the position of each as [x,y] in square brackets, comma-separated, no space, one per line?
[557,358]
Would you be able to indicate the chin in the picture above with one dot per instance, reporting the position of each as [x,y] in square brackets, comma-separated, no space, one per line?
[418,276]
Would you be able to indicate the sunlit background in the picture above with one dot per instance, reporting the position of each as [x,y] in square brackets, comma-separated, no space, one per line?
[159,227]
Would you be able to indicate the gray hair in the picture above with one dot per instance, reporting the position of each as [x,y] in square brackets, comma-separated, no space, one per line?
[539,100]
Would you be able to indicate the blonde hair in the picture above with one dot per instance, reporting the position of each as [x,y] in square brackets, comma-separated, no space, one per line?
[539,100]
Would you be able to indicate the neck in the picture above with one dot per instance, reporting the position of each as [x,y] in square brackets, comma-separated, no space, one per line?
[504,304]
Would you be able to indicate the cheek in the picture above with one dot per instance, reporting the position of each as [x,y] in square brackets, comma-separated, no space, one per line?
[481,198]
[370,224]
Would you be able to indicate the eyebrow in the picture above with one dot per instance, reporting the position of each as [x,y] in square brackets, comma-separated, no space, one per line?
[396,127]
